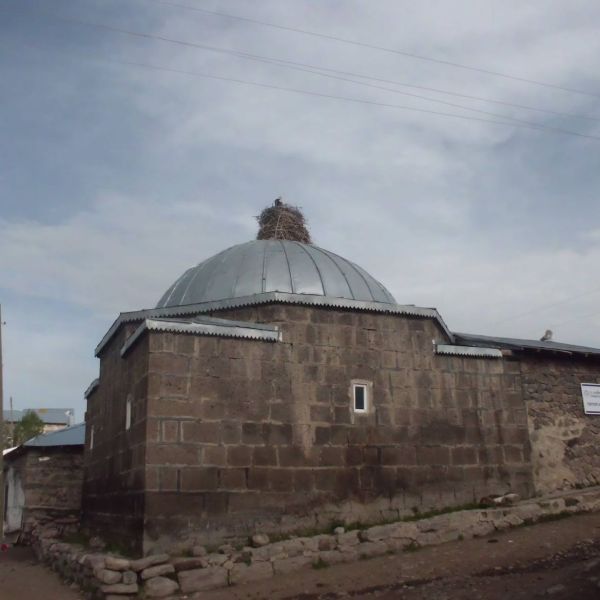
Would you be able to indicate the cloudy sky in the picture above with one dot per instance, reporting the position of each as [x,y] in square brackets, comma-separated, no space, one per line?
[116,177]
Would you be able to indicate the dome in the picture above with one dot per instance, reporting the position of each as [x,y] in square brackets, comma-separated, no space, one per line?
[262,266]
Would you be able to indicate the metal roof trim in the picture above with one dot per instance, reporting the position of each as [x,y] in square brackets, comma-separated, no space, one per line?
[274,297]
[525,345]
[197,327]
[467,351]
[91,388]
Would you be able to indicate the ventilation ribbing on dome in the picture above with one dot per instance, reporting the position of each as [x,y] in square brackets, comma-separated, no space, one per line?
[264,266]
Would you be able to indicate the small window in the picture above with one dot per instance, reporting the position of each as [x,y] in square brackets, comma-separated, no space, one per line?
[92,438]
[359,392]
[128,413]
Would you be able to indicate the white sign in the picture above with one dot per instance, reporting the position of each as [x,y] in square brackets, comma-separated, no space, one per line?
[591,398]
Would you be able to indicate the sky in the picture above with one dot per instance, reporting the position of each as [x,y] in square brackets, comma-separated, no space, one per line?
[124,159]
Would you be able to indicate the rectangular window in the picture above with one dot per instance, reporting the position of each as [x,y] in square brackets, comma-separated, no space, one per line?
[360,397]
[92,438]
[128,414]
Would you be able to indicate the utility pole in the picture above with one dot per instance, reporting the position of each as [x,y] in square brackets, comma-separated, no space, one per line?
[2,492]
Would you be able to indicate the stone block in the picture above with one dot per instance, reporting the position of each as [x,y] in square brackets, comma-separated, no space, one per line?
[160,587]
[280,480]
[239,456]
[199,580]
[278,434]
[187,564]
[347,539]
[120,588]
[129,577]
[157,570]
[241,573]
[289,565]
[232,479]
[253,434]
[107,576]
[264,456]
[372,549]
[169,431]
[331,557]
[214,456]
[149,561]
[199,479]
[117,564]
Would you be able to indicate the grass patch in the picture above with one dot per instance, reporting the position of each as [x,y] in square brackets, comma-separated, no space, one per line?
[77,537]
[320,564]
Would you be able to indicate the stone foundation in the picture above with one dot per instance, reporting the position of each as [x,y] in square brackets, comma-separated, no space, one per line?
[102,575]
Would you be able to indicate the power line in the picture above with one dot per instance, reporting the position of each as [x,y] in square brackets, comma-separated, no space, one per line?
[578,318]
[547,306]
[439,90]
[307,68]
[346,98]
[376,47]
[505,118]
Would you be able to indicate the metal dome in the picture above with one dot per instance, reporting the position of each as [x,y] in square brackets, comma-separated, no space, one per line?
[262,266]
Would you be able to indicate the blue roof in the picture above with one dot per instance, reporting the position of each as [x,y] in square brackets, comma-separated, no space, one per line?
[69,436]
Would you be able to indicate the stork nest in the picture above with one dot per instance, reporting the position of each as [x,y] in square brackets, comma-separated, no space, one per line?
[282,222]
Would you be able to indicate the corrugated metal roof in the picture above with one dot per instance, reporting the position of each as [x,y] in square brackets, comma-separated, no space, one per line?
[206,326]
[468,351]
[262,266]
[69,436]
[518,344]
[50,416]
[269,298]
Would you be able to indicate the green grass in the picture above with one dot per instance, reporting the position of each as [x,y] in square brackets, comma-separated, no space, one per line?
[320,564]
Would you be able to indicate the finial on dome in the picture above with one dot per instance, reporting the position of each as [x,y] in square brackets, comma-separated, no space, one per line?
[282,222]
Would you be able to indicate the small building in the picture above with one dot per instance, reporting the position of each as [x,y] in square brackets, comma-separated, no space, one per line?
[43,478]
[279,387]
[53,418]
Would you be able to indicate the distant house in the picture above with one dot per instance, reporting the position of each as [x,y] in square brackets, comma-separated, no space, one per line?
[43,478]
[53,418]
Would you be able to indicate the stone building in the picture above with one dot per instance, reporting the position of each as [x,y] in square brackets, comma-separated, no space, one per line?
[43,478]
[278,387]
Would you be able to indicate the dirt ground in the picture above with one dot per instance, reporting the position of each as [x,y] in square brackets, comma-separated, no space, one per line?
[559,560]
[23,578]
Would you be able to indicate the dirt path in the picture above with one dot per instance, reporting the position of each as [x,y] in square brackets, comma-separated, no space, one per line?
[22,578]
[558,560]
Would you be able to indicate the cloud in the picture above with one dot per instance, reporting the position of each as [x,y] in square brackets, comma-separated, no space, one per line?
[115,179]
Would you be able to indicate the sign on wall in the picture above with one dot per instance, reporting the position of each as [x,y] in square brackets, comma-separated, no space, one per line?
[591,398]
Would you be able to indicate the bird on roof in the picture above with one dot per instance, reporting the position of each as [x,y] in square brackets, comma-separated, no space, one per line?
[547,336]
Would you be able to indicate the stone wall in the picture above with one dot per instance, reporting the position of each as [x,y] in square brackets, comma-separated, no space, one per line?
[246,435]
[103,575]
[564,440]
[51,480]
[113,496]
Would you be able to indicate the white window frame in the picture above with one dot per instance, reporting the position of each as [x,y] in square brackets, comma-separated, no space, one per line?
[128,413]
[365,386]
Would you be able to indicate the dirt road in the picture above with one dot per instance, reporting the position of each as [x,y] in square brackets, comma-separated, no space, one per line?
[559,560]
[22,578]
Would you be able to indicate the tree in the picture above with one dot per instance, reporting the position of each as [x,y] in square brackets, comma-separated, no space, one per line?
[29,426]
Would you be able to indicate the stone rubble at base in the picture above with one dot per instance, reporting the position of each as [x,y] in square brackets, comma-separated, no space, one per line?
[101,575]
